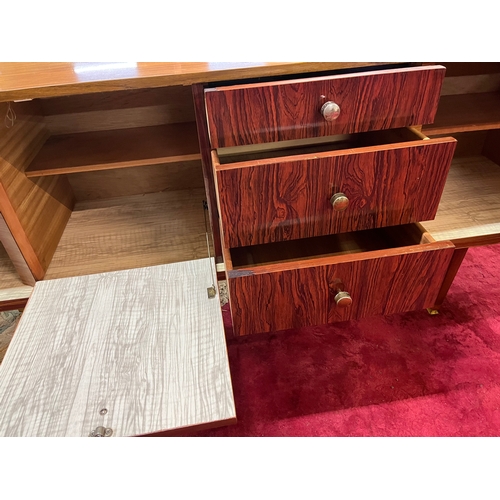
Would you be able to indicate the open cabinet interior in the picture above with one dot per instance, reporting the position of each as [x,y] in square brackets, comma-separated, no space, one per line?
[112,180]
[101,182]
[469,110]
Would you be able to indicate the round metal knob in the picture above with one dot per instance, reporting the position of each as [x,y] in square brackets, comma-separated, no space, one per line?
[330,111]
[343,299]
[339,202]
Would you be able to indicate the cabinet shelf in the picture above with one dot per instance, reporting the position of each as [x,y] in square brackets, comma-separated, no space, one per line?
[466,113]
[469,212]
[131,232]
[112,149]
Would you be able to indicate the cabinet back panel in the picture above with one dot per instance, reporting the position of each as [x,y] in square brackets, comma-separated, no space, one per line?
[471,84]
[470,68]
[118,110]
[136,180]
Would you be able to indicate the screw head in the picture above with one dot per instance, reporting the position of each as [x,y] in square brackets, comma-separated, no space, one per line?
[103,411]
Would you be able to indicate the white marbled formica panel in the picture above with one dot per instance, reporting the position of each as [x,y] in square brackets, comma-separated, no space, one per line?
[146,344]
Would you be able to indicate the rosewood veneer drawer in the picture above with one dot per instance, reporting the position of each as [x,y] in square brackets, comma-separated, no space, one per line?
[340,187]
[288,110]
[336,278]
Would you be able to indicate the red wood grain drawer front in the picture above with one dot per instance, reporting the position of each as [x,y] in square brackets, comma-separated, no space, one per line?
[293,294]
[288,110]
[288,198]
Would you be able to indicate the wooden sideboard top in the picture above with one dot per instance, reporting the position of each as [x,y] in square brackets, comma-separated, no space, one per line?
[43,79]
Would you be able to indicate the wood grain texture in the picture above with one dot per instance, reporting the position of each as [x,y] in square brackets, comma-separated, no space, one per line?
[118,110]
[114,183]
[469,211]
[49,79]
[293,295]
[470,68]
[110,149]
[288,110]
[14,298]
[491,147]
[146,344]
[15,256]
[471,84]
[35,211]
[454,266]
[207,168]
[289,198]
[9,277]
[465,113]
[129,232]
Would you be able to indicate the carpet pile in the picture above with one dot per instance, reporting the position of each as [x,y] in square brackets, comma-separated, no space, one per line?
[408,374]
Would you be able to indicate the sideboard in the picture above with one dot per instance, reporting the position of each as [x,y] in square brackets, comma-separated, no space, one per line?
[323,191]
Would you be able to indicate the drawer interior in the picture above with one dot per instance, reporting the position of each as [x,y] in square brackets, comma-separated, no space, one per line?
[240,154]
[325,246]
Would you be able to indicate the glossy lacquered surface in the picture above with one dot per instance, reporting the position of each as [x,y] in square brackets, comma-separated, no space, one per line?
[289,198]
[295,294]
[289,110]
[30,80]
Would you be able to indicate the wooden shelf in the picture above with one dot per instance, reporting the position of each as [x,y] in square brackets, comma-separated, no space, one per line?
[466,113]
[111,149]
[469,212]
[131,232]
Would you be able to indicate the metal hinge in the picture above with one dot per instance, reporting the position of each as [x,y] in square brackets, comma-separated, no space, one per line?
[101,431]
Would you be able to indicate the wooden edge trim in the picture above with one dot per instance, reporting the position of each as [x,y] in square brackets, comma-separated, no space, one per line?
[336,154]
[215,159]
[453,268]
[206,166]
[426,236]
[188,77]
[323,78]
[14,253]
[165,160]
[22,241]
[182,431]
[417,130]
[13,304]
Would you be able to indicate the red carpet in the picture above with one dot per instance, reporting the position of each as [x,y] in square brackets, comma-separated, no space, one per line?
[409,374]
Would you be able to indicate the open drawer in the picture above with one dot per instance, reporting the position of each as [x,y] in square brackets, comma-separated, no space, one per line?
[123,353]
[345,183]
[332,278]
[253,113]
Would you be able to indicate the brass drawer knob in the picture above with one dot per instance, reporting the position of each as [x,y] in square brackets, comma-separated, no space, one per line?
[339,202]
[330,111]
[343,299]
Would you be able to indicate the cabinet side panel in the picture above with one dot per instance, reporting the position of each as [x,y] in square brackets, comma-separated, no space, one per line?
[35,210]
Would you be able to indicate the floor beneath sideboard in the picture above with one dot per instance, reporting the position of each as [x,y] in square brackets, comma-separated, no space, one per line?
[408,374]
